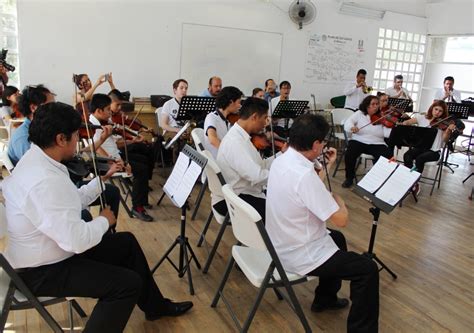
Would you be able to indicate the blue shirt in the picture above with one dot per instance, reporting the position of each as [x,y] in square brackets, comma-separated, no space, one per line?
[19,143]
[269,97]
[206,93]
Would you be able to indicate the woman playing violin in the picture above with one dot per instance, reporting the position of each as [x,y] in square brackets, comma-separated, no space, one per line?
[438,111]
[367,137]
[217,124]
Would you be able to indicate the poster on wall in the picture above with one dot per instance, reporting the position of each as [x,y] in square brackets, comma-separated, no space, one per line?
[333,59]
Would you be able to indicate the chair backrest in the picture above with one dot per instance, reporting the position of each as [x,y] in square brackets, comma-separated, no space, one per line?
[5,279]
[198,138]
[215,179]
[3,221]
[244,218]
[158,116]
[6,161]
[340,115]
[338,101]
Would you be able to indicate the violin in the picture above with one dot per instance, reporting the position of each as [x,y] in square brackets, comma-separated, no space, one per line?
[16,114]
[261,142]
[441,124]
[233,117]
[116,129]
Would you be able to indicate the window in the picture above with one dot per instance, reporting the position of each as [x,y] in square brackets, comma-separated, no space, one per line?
[9,37]
[400,52]
[459,49]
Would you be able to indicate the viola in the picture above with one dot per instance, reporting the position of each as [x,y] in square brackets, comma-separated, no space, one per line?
[233,117]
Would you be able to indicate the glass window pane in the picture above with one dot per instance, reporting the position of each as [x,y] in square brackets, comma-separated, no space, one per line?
[408,47]
[401,46]
[414,97]
[390,75]
[410,77]
[392,65]
[399,66]
[406,66]
[388,43]
[403,35]
[376,84]
[415,87]
[417,78]
[423,39]
[388,33]
[386,54]
[378,63]
[416,38]
[401,56]
[460,49]
[407,57]
[420,58]
[380,43]
[413,58]
[376,74]
[396,34]
[379,53]
[421,49]
[418,68]
[395,45]
[381,32]
[393,55]
[409,86]
[383,75]
[412,67]
[385,64]
[414,48]
[409,36]
[383,85]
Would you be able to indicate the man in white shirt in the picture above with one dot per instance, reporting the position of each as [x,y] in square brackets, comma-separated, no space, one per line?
[298,206]
[214,88]
[240,162]
[397,91]
[216,124]
[447,93]
[355,93]
[170,109]
[59,255]
[279,124]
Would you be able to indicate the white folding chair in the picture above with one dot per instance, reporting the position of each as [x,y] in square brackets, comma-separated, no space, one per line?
[15,295]
[198,138]
[257,259]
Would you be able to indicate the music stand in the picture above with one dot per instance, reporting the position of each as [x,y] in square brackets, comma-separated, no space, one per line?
[459,110]
[412,136]
[192,108]
[400,103]
[184,246]
[287,110]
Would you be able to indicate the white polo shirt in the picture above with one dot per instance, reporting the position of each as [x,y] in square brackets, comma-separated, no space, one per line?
[297,208]
[392,92]
[217,121]
[454,97]
[370,134]
[109,145]
[241,164]
[354,96]
[170,108]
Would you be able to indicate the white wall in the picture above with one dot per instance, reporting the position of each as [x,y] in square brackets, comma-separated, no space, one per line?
[139,41]
[450,17]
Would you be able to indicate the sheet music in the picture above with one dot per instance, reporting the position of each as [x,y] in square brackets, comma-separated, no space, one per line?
[187,183]
[397,185]
[176,176]
[377,175]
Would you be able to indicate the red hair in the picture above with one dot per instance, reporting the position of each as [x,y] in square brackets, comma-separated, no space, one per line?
[442,104]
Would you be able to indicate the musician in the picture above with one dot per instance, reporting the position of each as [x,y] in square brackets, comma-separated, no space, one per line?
[168,122]
[448,93]
[216,124]
[55,252]
[437,111]
[258,92]
[9,109]
[397,91]
[298,208]
[279,124]
[270,90]
[240,162]
[100,106]
[86,89]
[366,138]
[215,86]
[3,78]
[355,93]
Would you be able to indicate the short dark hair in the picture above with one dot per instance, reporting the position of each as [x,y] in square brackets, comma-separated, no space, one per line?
[306,129]
[268,80]
[366,102]
[380,94]
[361,71]
[7,92]
[226,96]
[78,79]
[253,105]
[178,81]
[398,77]
[212,79]
[449,78]
[99,101]
[255,91]
[35,95]
[52,119]
[285,83]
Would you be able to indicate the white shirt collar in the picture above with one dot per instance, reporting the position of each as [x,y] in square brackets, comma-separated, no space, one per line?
[40,152]
[241,131]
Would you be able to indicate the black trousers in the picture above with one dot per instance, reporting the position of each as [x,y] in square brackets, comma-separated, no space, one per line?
[141,174]
[257,203]
[147,150]
[112,198]
[364,276]
[115,272]
[421,156]
[356,148]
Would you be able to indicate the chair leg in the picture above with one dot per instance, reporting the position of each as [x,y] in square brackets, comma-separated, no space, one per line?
[219,291]
[216,243]
[71,316]
[204,230]
[437,178]
[199,199]
[297,307]
[78,309]
[339,160]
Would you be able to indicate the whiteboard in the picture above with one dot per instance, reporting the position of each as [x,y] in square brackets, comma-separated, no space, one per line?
[333,58]
[242,58]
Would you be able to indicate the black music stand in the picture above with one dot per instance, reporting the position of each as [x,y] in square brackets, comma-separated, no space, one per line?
[184,246]
[287,109]
[192,109]
[402,104]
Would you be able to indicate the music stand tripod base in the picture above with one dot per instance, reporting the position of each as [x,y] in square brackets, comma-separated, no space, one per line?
[370,254]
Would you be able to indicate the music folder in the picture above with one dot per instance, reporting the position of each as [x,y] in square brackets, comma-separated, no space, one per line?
[386,184]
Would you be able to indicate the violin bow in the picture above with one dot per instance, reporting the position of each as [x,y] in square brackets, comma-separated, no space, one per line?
[124,138]
[94,165]
[135,118]
[376,121]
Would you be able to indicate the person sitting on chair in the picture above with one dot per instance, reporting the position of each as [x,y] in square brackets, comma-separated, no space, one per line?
[448,93]
[366,138]
[216,124]
[298,206]
[214,88]
[59,255]
[240,162]
[258,92]
[397,91]
[10,109]
[437,111]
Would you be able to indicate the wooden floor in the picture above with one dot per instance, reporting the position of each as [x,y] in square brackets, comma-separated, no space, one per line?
[429,245]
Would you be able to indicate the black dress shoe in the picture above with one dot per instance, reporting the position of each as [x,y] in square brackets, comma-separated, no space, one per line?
[172,309]
[340,303]
[347,183]
[141,214]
